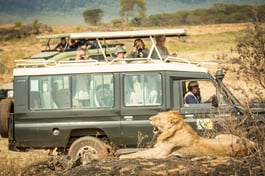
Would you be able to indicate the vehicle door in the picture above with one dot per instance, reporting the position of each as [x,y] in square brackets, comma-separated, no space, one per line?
[142,97]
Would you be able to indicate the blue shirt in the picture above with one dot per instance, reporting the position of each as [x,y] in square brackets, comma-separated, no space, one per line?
[190,98]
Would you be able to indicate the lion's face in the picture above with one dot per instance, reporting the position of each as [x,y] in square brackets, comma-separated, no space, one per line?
[165,120]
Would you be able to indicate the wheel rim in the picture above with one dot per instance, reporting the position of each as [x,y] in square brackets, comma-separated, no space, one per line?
[87,153]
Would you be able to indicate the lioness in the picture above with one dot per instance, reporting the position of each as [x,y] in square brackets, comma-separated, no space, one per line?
[178,138]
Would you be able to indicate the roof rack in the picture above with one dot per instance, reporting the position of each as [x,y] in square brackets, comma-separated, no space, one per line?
[205,63]
[176,59]
[131,60]
[34,63]
[74,62]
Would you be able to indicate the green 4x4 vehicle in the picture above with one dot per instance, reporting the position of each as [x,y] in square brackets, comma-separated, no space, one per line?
[83,107]
[72,42]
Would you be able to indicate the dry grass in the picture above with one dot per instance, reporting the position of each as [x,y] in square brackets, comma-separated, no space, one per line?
[12,163]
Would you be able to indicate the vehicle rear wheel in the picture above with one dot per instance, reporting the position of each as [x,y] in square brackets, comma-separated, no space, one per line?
[6,107]
[88,148]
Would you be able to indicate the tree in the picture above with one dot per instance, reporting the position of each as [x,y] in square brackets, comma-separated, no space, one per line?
[134,8]
[93,16]
[36,27]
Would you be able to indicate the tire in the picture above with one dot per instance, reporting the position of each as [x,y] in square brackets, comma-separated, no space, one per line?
[6,107]
[88,148]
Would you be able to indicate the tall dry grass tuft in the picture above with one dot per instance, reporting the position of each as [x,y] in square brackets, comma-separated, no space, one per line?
[13,163]
[246,63]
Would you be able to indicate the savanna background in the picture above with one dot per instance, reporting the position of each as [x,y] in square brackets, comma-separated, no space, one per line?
[230,34]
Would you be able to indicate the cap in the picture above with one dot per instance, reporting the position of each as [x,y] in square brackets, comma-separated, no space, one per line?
[192,84]
[120,49]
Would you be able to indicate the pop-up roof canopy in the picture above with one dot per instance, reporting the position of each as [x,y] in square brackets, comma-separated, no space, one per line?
[128,34]
[52,36]
[117,34]
[98,36]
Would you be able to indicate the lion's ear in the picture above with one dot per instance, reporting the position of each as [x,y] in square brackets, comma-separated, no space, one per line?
[173,120]
[174,117]
[174,112]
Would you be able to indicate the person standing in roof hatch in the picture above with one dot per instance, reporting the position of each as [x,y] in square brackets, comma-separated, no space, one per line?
[139,49]
[62,45]
[162,49]
[81,54]
[120,52]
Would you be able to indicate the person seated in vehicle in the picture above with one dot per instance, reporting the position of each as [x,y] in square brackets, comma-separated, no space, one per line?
[120,53]
[162,49]
[62,45]
[81,54]
[136,96]
[139,49]
[73,45]
[193,95]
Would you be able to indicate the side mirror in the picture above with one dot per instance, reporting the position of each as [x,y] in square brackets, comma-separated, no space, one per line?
[214,101]
[10,94]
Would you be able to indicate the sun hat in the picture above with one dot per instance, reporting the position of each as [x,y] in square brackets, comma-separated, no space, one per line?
[192,84]
[120,49]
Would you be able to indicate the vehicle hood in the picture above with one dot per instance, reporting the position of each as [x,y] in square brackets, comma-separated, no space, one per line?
[44,55]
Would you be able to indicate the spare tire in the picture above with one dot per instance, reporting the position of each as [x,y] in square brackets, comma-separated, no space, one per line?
[6,107]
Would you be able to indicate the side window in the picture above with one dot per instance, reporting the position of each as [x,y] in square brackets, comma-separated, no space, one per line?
[61,91]
[95,90]
[142,89]
[48,92]
[199,92]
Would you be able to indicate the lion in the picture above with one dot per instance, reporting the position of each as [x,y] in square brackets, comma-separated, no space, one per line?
[179,139]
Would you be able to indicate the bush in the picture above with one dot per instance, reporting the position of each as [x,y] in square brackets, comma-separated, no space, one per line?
[18,24]
[247,59]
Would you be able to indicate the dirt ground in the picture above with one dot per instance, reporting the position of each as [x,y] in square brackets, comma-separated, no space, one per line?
[42,163]
[210,165]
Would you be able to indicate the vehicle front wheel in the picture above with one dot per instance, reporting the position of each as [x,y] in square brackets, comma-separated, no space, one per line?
[88,148]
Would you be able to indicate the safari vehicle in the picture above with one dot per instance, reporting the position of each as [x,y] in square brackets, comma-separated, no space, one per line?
[84,107]
[67,53]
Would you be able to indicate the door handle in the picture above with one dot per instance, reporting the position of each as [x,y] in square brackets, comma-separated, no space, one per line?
[189,116]
[128,117]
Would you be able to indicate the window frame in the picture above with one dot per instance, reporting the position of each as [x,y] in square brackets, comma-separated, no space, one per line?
[143,75]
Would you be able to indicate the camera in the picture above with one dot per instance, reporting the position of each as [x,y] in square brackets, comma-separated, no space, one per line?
[82,57]
[139,48]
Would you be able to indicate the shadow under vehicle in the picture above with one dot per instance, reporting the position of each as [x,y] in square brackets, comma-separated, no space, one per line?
[90,108]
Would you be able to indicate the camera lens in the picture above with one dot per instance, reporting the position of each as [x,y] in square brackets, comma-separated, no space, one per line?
[139,49]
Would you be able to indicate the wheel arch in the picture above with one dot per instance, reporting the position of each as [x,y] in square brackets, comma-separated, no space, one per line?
[93,132]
